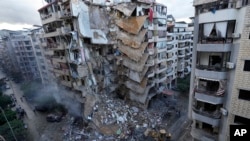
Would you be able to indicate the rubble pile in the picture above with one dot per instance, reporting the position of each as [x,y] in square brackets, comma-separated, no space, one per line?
[113,118]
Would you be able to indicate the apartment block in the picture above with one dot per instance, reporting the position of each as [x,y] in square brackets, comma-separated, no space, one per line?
[8,61]
[37,41]
[105,47]
[219,91]
[25,55]
[179,52]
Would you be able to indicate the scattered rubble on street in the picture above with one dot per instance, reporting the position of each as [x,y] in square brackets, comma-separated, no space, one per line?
[112,118]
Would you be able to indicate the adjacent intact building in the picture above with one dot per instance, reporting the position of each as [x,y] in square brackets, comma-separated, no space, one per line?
[220,80]
[22,54]
[179,52]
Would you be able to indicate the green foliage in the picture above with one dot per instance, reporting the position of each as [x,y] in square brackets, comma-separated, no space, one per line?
[10,115]
[18,129]
[183,84]
[5,101]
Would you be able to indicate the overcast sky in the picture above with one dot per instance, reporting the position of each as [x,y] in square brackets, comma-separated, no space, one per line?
[19,14]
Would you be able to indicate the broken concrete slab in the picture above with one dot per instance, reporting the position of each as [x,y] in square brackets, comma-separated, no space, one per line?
[134,54]
[136,66]
[126,8]
[132,24]
[133,41]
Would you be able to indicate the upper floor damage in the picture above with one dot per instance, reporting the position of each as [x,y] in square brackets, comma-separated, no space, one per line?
[96,36]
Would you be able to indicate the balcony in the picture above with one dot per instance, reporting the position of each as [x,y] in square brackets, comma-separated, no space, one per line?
[202,134]
[170,48]
[216,47]
[181,55]
[56,32]
[161,78]
[64,15]
[150,73]
[156,27]
[150,62]
[65,30]
[211,72]
[170,71]
[215,40]
[49,18]
[208,96]
[170,58]
[161,69]
[212,118]
[160,49]
[219,15]
[160,60]
[150,51]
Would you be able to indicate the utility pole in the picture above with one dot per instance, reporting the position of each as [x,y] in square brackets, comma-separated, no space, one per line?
[8,123]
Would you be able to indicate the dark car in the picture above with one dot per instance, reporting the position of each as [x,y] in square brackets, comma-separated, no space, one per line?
[41,108]
[53,118]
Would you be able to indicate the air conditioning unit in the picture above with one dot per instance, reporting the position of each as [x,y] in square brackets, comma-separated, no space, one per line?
[224,111]
[230,65]
[239,4]
[236,35]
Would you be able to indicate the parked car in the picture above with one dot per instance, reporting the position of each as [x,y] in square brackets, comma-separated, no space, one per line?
[53,118]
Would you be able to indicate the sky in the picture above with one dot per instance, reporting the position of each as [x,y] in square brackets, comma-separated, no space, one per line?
[20,14]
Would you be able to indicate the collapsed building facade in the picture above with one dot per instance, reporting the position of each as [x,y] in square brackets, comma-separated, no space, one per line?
[96,47]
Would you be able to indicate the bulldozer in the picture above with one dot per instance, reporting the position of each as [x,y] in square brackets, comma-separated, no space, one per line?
[158,135]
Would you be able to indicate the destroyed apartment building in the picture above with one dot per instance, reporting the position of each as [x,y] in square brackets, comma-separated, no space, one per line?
[96,47]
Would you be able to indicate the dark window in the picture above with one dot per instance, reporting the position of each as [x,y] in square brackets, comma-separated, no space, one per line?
[249,36]
[247,65]
[244,94]
[241,120]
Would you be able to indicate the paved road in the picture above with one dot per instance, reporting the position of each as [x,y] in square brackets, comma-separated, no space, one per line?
[30,119]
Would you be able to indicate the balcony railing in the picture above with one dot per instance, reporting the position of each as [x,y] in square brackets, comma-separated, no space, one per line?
[216,6]
[207,92]
[211,68]
[212,114]
[215,40]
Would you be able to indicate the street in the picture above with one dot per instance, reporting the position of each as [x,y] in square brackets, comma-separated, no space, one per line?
[30,117]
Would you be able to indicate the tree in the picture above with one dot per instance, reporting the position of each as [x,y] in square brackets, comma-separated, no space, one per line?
[4,101]
[10,115]
[18,129]
[183,84]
